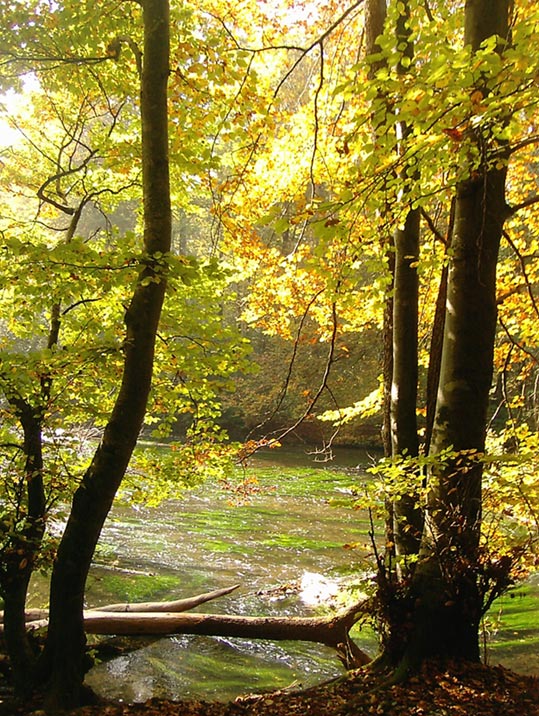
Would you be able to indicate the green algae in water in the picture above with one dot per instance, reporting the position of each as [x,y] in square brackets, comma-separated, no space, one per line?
[212,668]
[106,586]
[271,537]
[512,629]
[298,542]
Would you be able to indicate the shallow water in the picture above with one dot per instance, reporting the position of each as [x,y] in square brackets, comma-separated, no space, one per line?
[286,546]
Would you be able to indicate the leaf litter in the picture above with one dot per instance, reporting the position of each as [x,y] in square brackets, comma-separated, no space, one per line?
[454,690]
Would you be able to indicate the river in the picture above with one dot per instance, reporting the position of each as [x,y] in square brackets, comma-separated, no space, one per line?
[289,541]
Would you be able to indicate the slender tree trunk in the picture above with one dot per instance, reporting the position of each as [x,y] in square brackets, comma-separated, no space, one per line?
[19,557]
[446,596]
[64,653]
[375,15]
[408,515]
[404,436]
[436,342]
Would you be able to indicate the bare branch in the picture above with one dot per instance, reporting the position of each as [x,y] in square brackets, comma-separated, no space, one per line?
[533,139]
[323,383]
[82,302]
[524,272]
[516,343]
[434,229]
[316,121]
[530,201]
[291,363]
[59,175]
[428,11]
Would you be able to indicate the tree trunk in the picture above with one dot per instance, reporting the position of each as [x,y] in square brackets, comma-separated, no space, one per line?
[436,342]
[446,598]
[329,630]
[18,558]
[161,618]
[408,516]
[63,656]
[404,437]
[375,17]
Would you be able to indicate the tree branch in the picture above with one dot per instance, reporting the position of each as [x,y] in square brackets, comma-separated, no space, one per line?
[530,201]
[524,272]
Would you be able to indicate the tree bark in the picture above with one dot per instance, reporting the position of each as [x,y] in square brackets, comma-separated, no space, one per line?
[62,661]
[436,342]
[19,556]
[446,598]
[404,436]
[331,631]
[408,516]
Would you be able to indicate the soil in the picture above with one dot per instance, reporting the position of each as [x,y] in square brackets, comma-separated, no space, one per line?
[458,690]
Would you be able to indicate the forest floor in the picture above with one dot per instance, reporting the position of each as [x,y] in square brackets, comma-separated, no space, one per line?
[464,690]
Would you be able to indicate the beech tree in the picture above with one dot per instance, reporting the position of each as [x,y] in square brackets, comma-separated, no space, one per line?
[62,660]
[311,160]
[415,137]
[449,603]
[72,331]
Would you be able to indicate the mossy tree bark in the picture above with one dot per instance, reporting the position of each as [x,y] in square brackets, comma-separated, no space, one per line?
[62,661]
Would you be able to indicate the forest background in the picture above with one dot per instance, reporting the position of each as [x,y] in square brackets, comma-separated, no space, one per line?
[333,168]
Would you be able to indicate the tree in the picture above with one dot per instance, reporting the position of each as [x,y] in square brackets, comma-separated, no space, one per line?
[35,353]
[449,602]
[64,340]
[378,146]
[437,613]
[62,660]
[462,127]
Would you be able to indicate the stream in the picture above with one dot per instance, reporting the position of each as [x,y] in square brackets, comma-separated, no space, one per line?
[293,546]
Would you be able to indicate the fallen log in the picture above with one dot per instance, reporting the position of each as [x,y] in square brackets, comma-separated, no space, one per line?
[163,618]
[179,605]
[332,631]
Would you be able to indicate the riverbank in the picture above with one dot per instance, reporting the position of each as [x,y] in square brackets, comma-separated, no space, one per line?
[454,691]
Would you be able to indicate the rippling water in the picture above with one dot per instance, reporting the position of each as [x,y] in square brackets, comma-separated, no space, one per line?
[285,545]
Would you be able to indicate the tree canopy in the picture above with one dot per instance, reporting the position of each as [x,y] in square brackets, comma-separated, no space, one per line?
[342,193]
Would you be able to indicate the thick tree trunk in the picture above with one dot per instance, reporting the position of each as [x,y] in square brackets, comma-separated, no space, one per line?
[331,631]
[446,599]
[161,618]
[63,656]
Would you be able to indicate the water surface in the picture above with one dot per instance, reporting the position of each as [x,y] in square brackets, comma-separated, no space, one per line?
[292,551]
